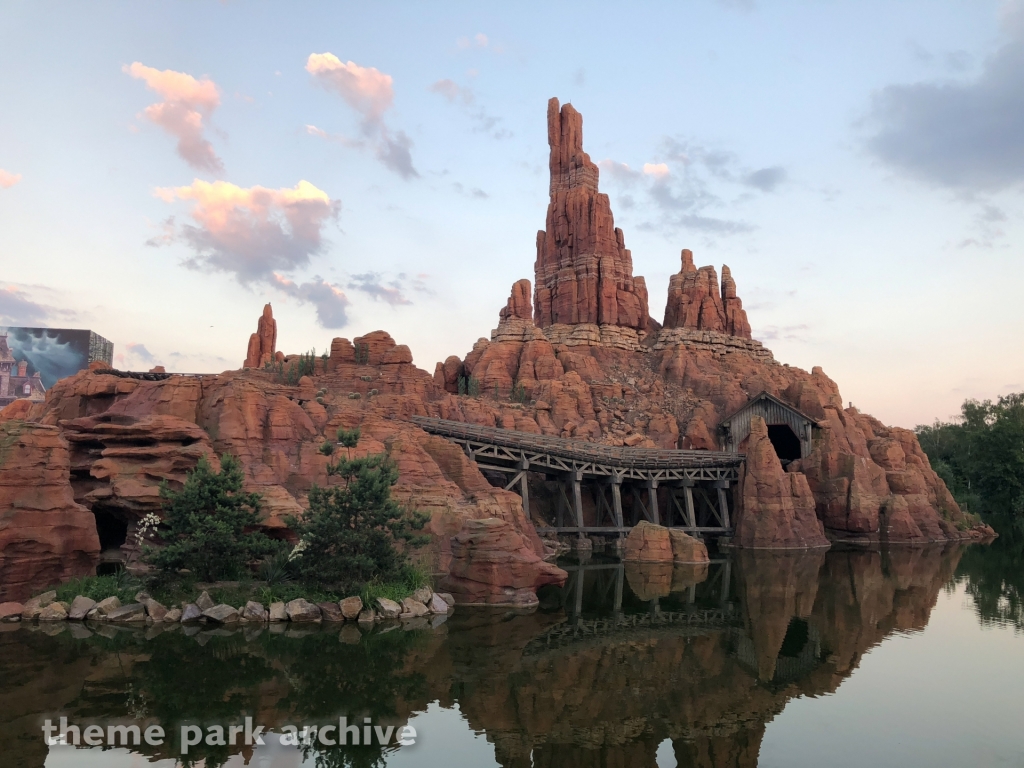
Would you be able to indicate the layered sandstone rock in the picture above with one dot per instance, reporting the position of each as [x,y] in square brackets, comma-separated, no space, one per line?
[777,507]
[492,564]
[584,273]
[263,343]
[44,535]
[648,543]
[695,301]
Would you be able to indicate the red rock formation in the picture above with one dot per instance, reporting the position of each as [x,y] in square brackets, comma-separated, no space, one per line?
[492,564]
[648,543]
[263,343]
[777,510]
[584,273]
[44,535]
[694,301]
[519,304]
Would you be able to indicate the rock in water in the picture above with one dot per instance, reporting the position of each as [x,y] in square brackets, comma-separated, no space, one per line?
[351,607]
[330,611]
[11,611]
[191,613]
[648,543]
[204,601]
[80,607]
[154,610]
[128,613]
[687,549]
[411,607]
[423,595]
[278,612]
[263,343]
[778,506]
[301,610]
[34,606]
[492,564]
[254,611]
[53,612]
[389,609]
[222,614]
[438,605]
[583,272]
[173,615]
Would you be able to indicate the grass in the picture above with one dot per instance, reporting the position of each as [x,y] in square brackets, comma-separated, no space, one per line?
[412,579]
[120,585]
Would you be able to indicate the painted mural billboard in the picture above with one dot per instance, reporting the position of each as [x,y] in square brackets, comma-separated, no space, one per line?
[33,359]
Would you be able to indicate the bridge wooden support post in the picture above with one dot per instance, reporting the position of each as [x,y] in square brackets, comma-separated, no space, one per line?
[652,499]
[691,517]
[726,578]
[616,480]
[577,500]
[723,502]
[524,486]
[620,577]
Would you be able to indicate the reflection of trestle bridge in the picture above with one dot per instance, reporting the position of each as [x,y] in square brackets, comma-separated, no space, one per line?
[683,489]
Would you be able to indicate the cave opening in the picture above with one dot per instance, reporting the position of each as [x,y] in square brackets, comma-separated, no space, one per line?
[113,533]
[797,635]
[785,442]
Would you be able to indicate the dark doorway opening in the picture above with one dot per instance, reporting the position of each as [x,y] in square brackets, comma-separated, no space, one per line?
[797,634]
[113,531]
[786,444]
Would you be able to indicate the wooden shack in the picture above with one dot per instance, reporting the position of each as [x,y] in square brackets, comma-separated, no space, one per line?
[789,430]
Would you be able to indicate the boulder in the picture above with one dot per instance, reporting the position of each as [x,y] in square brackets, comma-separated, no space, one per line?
[154,609]
[133,612]
[493,564]
[778,510]
[222,614]
[11,611]
[80,607]
[254,611]
[191,613]
[351,607]
[330,611]
[438,605]
[103,607]
[411,607]
[278,612]
[388,609]
[53,612]
[447,597]
[423,595]
[687,549]
[648,543]
[172,616]
[204,602]
[367,616]
[301,610]
[35,605]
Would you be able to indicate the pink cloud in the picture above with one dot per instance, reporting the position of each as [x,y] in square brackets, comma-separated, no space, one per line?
[257,233]
[366,89]
[7,179]
[370,93]
[186,101]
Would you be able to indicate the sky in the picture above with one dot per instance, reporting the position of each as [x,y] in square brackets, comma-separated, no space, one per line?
[168,168]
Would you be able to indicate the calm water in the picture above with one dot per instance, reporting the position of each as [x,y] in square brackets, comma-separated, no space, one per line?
[902,658]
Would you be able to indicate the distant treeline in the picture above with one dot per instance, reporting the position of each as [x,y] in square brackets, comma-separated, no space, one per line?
[980,455]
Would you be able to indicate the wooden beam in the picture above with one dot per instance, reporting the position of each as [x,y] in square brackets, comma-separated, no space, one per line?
[652,495]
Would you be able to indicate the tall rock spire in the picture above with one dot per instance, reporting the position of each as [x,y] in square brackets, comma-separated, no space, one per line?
[694,301]
[584,273]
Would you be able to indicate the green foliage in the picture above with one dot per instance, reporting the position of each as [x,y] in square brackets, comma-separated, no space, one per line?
[350,533]
[349,438]
[327,448]
[411,579]
[980,455]
[362,354]
[325,358]
[518,393]
[208,525]
[994,578]
[470,386]
[121,585]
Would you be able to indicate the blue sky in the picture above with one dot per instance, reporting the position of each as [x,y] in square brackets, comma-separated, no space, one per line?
[858,165]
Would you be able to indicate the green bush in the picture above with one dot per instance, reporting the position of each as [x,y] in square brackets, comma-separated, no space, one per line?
[208,525]
[351,533]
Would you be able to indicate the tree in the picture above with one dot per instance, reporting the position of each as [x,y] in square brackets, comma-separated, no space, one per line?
[209,525]
[351,533]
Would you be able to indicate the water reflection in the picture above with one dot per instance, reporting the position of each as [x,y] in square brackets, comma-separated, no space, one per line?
[615,663]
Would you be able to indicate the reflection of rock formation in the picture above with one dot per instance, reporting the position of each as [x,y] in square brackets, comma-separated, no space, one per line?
[597,698]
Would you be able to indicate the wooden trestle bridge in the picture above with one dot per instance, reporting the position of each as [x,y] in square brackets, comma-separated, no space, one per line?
[694,482]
